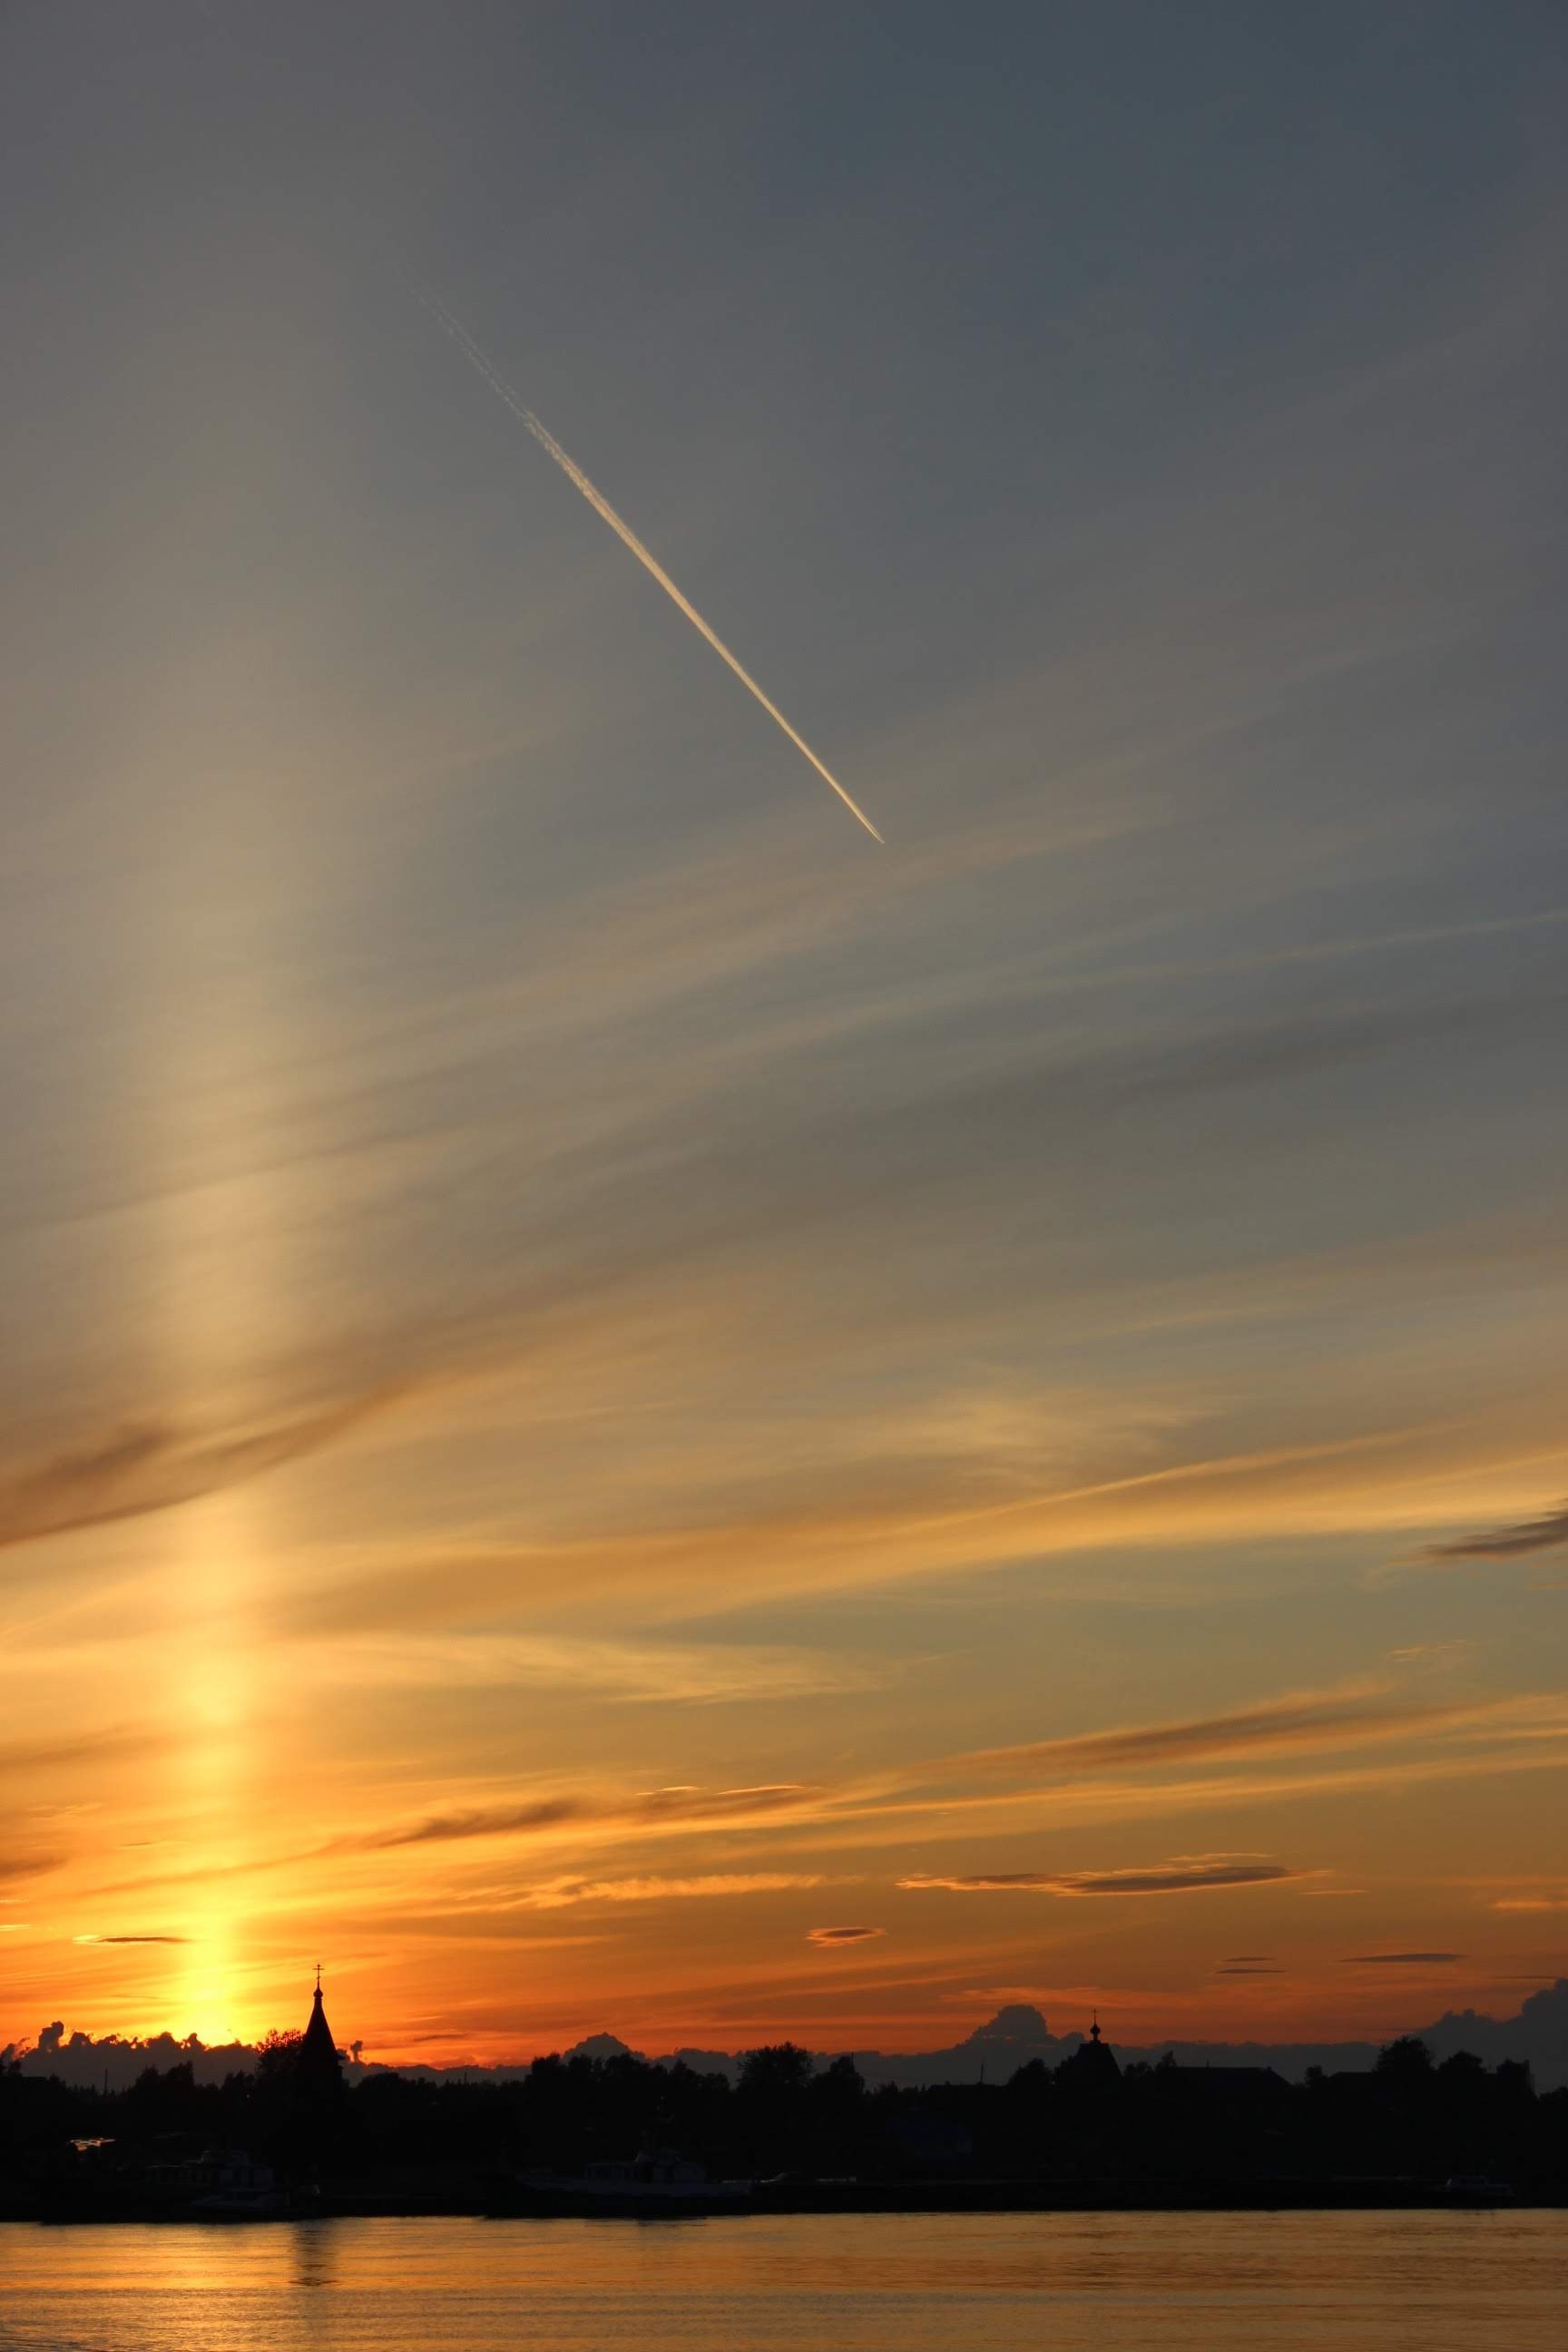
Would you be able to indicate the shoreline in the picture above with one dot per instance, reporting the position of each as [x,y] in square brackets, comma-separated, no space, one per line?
[870,2197]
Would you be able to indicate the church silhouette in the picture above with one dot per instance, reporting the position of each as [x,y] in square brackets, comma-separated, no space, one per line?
[318,2068]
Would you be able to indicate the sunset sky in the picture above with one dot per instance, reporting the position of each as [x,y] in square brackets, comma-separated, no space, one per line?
[601,1378]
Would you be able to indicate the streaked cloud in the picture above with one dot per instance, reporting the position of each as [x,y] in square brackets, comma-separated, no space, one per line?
[831,1937]
[1547,1533]
[499,1821]
[130,1940]
[1401,1960]
[1520,1733]
[711,1885]
[1304,1721]
[55,1754]
[662,1673]
[153,1467]
[21,1866]
[1187,1874]
[903,1521]
[654,1806]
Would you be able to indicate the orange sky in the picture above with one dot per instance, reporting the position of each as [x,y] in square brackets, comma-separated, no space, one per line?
[600,1375]
[508,1815]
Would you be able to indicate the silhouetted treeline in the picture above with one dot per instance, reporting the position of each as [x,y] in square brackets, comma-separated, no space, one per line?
[449,2143]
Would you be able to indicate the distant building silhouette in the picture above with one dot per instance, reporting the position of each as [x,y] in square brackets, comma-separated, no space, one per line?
[318,2068]
[1092,2066]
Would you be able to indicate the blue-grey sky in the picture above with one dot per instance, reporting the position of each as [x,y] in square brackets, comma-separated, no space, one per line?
[540,1265]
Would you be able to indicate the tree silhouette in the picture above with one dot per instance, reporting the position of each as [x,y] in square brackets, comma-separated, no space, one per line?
[276,2055]
[1404,2062]
[780,2070]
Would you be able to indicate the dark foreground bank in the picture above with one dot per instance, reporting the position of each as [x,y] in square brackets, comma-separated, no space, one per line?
[618,2137]
[503,2199]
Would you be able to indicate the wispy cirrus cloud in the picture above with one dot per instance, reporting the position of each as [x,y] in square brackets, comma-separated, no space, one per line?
[628,1673]
[831,1937]
[1184,1875]
[881,1519]
[640,1673]
[1547,1533]
[1400,1959]
[130,1940]
[150,1466]
[559,1893]
[1521,1733]
[1300,1720]
[52,1754]
[442,1828]
[649,1808]
[24,1865]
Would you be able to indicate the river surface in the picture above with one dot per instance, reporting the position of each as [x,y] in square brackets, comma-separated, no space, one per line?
[851,2283]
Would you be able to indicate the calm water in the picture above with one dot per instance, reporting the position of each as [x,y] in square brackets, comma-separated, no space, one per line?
[1052,2283]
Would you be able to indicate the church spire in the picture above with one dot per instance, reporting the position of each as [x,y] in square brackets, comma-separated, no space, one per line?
[318,2057]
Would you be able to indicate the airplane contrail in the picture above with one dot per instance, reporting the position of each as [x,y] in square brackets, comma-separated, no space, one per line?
[601,505]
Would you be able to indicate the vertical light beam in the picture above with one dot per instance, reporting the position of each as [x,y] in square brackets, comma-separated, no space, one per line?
[623,530]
